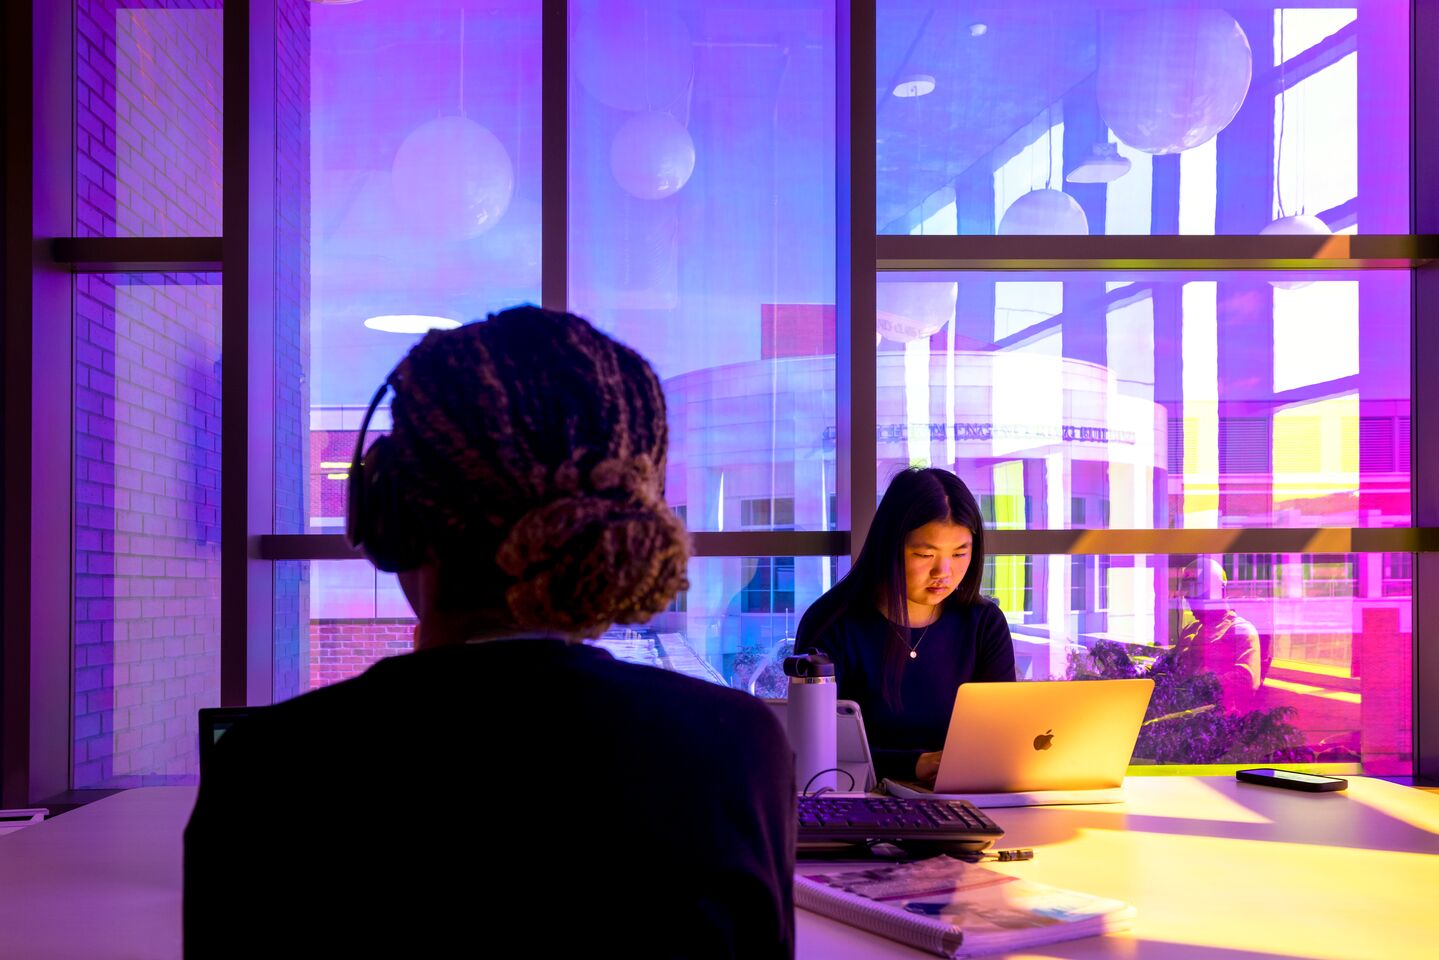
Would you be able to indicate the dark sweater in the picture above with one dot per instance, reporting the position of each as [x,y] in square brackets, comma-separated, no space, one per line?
[519,797]
[967,643]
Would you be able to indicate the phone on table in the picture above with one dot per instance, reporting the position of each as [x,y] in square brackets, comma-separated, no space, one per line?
[1289,780]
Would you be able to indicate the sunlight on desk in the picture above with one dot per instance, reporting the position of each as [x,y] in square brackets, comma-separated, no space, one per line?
[1246,895]
[1183,798]
[1410,806]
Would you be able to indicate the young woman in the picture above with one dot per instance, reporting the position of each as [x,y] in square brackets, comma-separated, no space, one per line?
[505,783]
[907,625]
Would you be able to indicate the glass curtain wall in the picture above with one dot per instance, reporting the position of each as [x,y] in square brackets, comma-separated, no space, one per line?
[1176,399]
[702,231]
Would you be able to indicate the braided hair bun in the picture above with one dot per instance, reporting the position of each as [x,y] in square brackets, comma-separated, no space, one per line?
[533,448]
[585,562]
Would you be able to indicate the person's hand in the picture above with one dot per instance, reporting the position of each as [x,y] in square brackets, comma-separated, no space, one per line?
[927,767]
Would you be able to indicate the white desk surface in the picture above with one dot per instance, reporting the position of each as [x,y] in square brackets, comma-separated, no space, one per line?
[1218,869]
[1222,870]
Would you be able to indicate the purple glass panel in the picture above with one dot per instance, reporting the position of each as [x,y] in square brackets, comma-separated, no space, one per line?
[293,240]
[425,195]
[147,524]
[702,225]
[1139,400]
[1257,658]
[1128,117]
[148,143]
[736,622]
[733,626]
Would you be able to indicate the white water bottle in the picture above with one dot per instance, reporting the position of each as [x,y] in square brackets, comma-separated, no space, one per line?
[811,720]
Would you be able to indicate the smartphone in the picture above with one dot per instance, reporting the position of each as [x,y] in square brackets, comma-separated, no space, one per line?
[1290,780]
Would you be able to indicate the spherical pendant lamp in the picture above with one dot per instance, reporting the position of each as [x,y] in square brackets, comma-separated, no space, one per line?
[452,179]
[1297,225]
[632,54]
[1171,78]
[1044,212]
[652,156]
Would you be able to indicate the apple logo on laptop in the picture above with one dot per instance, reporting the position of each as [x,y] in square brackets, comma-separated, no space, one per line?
[1043,741]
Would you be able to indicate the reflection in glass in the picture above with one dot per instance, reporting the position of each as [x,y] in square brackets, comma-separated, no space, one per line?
[1139,400]
[735,624]
[1257,658]
[1097,117]
[1296,658]
[702,183]
[424,190]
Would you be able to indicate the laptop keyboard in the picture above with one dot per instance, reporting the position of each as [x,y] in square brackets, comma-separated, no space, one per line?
[919,825]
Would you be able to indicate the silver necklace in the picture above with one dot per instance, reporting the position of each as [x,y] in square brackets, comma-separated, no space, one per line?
[914,647]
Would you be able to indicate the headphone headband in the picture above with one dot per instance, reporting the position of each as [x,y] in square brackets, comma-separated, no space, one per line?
[355,509]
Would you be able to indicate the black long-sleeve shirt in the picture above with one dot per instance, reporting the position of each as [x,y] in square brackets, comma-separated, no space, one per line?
[968,642]
[516,796]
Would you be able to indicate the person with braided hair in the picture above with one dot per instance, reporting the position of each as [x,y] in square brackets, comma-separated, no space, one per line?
[505,786]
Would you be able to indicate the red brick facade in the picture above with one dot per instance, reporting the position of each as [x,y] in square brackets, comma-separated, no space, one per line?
[340,649]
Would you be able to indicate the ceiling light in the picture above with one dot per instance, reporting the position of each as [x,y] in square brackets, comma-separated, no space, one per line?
[1103,165]
[978,29]
[914,85]
[410,323]
[1297,225]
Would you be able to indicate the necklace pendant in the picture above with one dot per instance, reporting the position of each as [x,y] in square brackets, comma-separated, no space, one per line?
[914,654]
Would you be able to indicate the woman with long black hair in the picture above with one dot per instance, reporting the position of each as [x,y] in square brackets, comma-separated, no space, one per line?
[907,625]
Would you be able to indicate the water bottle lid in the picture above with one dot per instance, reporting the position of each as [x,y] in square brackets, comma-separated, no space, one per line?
[809,666]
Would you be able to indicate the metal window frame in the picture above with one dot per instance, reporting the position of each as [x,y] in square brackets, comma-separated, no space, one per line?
[37,395]
[1424,437]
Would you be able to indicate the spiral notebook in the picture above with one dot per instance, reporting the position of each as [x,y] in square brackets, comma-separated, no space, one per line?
[956,909]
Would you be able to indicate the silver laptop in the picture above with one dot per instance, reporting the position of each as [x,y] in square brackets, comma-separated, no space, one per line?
[1046,741]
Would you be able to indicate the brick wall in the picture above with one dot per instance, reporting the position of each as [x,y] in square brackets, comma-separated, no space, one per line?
[340,649]
[148,118]
[329,493]
[147,515]
[147,383]
[147,393]
[292,339]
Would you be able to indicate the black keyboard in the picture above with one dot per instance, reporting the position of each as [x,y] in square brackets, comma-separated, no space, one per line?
[919,826]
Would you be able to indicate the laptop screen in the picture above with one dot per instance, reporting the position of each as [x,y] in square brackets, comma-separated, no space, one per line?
[214,722]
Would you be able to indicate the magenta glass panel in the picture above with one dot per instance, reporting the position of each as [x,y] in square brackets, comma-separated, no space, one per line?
[1257,658]
[702,227]
[1138,400]
[424,126]
[1134,117]
[1267,658]
[148,90]
[147,524]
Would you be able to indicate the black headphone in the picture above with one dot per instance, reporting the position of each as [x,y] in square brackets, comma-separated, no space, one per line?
[376,518]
